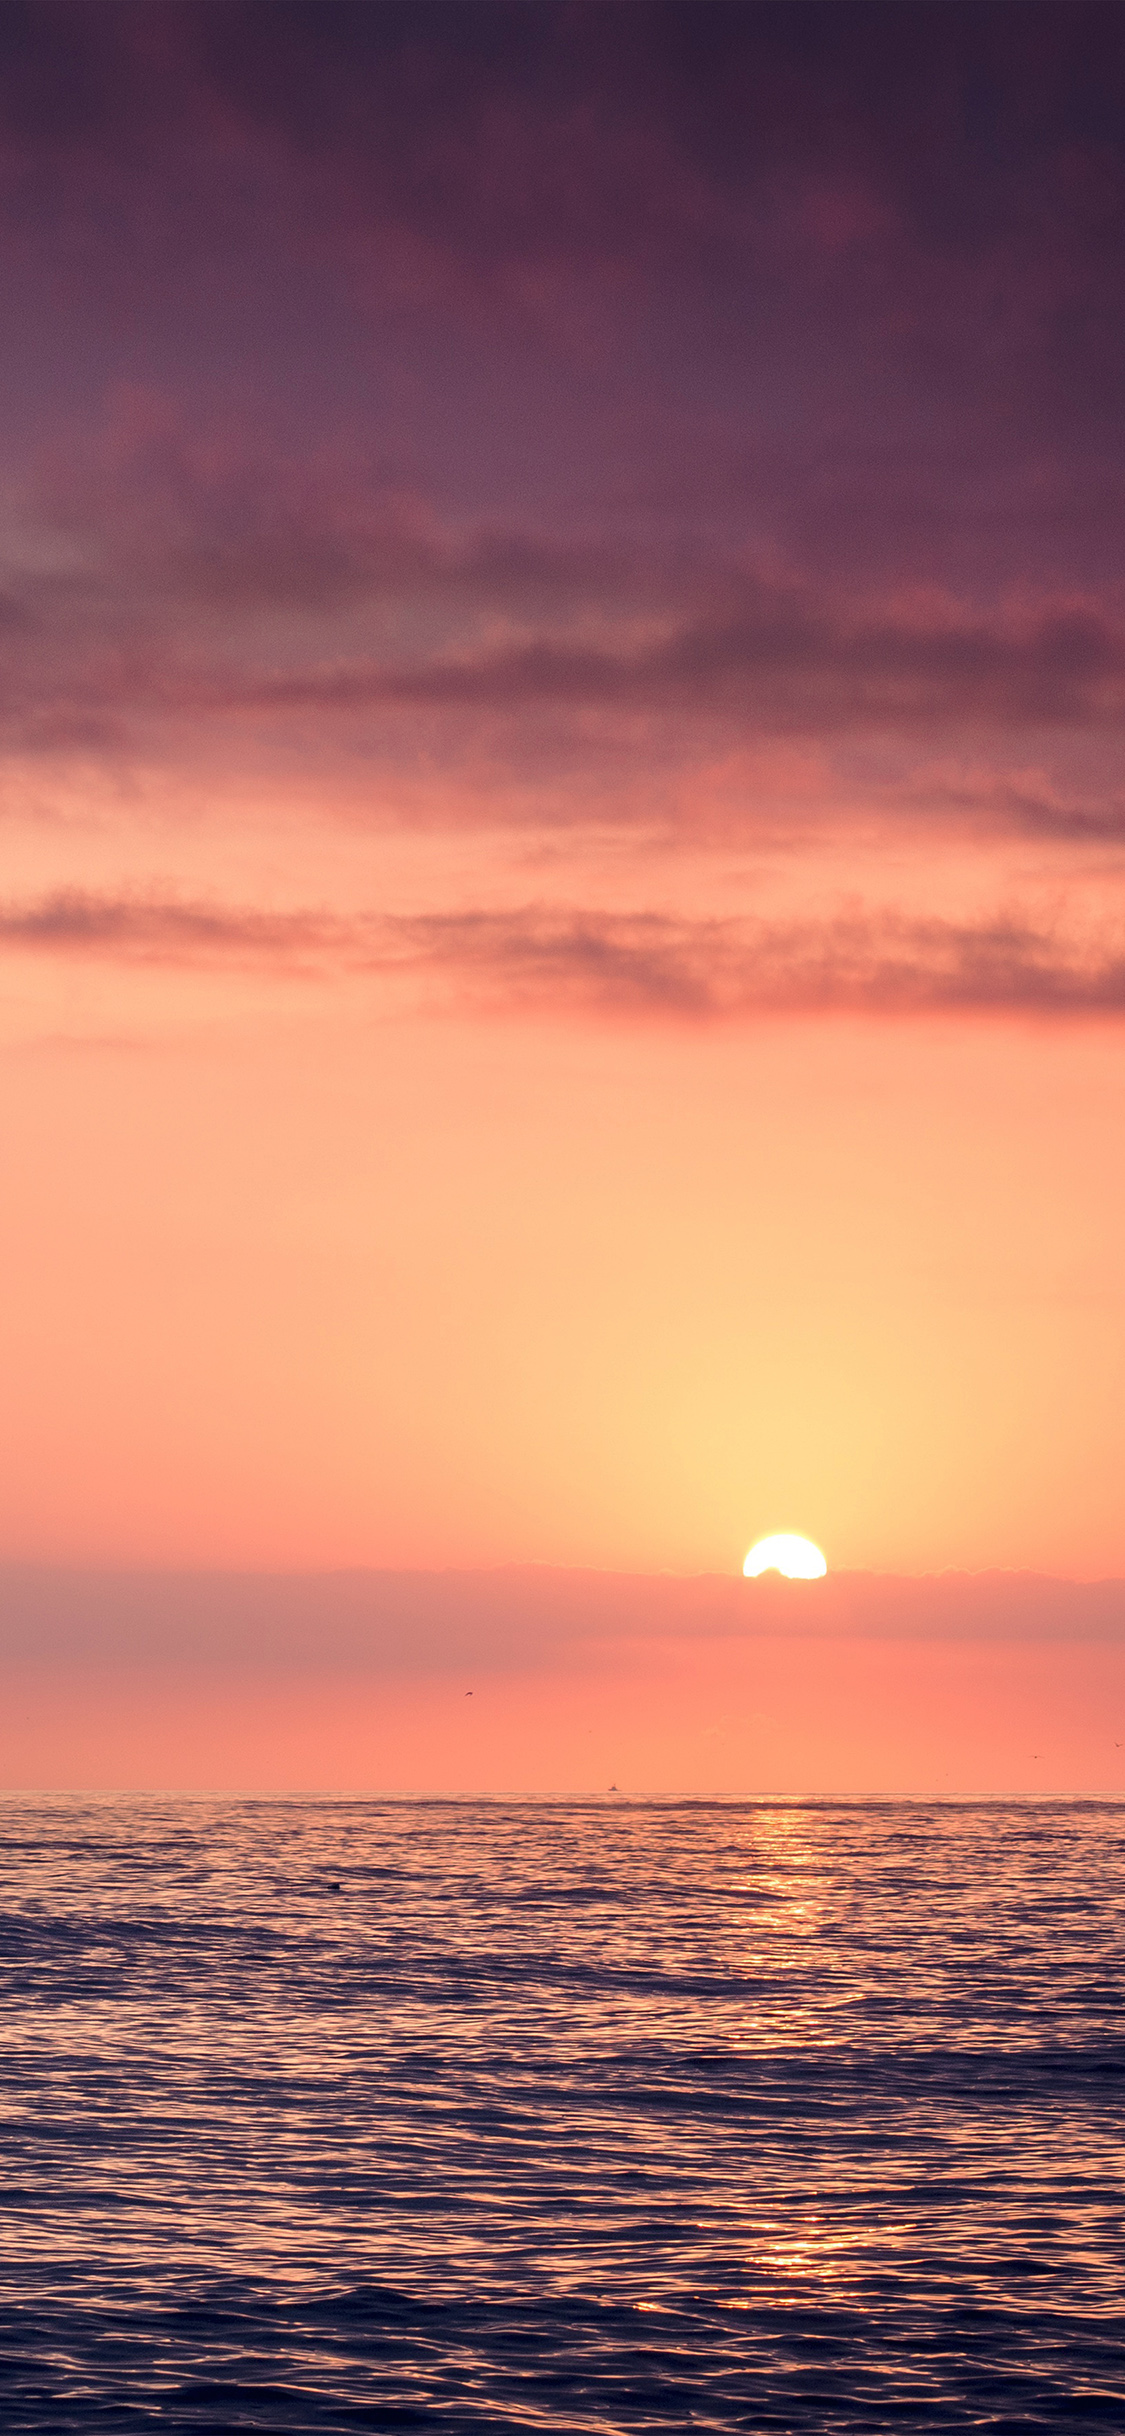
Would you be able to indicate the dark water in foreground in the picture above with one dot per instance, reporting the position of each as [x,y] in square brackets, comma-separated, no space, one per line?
[562,2118]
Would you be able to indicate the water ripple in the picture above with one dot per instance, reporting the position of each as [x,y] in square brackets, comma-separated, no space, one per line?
[562,2117]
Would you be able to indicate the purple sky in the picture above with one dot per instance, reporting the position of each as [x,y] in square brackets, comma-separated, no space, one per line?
[566,380]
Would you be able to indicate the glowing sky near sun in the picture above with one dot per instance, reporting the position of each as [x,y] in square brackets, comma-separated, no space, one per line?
[562,972]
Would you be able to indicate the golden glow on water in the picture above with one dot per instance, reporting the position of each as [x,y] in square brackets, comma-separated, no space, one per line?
[391,2096]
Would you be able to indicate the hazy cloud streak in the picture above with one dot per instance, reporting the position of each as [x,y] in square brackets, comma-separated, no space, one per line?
[513,1619]
[643,964]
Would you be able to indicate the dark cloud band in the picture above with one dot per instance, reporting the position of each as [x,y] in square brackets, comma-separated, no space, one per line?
[640,964]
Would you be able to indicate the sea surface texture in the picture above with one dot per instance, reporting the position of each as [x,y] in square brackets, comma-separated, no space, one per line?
[562,2117]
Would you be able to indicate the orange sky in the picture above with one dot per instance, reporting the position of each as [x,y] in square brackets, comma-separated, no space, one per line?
[308,1281]
[317,1284]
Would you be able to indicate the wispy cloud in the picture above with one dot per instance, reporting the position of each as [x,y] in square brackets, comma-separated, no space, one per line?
[781,663]
[169,598]
[643,964]
[159,931]
[658,964]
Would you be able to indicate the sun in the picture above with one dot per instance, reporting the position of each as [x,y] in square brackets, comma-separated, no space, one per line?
[786,1552]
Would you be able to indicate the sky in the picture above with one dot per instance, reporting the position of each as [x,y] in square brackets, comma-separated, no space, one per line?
[562,943]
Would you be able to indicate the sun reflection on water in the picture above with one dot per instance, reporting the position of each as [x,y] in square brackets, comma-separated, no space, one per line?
[410,2092]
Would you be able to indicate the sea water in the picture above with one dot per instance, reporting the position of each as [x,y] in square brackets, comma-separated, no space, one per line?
[338,2115]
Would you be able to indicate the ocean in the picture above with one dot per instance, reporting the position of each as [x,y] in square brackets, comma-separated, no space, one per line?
[562,2116]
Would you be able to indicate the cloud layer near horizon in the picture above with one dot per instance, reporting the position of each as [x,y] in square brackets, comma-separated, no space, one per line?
[526,1619]
[530,1681]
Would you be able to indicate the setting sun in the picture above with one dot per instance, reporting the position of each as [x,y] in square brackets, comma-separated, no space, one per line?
[786,1552]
